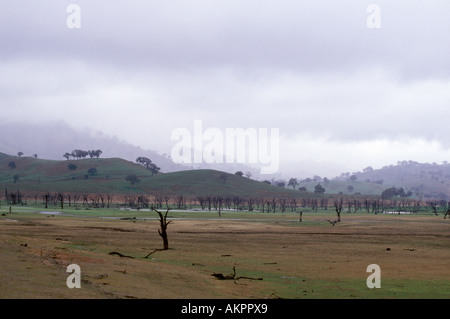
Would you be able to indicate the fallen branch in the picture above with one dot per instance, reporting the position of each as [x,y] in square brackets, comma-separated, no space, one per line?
[225,277]
[233,276]
[120,255]
[249,278]
[332,222]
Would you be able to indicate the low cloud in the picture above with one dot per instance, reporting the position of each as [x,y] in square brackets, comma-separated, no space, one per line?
[313,69]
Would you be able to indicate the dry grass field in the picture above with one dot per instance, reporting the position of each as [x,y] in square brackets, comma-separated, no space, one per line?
[309,259]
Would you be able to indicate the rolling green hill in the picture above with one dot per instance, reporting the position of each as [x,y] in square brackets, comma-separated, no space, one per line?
[49,175]
[38,175]
[107,175]
[345,187]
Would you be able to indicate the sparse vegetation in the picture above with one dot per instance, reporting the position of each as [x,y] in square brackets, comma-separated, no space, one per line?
[201,195]
[79,154]
[133,179]
[407,251]
[319,189]
[92,171]
[148,164]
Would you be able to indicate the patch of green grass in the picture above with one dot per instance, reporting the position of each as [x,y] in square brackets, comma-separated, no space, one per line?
[303,288]
[38,175]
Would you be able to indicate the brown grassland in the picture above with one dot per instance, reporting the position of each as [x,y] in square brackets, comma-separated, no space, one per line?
[309,259]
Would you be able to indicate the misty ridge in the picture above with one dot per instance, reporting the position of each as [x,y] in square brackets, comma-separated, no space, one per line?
[53,140]
[421,180]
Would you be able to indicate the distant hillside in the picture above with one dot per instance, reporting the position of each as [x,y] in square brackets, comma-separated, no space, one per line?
[345,187]
[52,140]
[422,179]
[51,175]
[38,175]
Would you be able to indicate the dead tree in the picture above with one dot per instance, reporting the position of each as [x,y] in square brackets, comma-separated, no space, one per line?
[349,206]
[358,204]
[85,199]
[263,203]
[250,202]
[142,202]
[338,207]
[217,203]
[159,201]
[314,204]
[446,206]
[109,198]
[268,205]
[208,199]
[293,204]
[201,200]
[45,198]
[282,202]
[447,211]
[69,199]
[61,199]
[433,205]
[166,200]
[367,205]
[163,227]
[180,201]
[76,198]
[324,203]
[273,204]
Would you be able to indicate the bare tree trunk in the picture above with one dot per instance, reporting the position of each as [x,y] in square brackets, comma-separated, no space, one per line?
[447,211]
[163,228]
[434,207]
[46,197]
[61,198]
[338,206]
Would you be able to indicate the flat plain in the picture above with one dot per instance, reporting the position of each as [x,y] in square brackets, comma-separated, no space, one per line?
[273,255]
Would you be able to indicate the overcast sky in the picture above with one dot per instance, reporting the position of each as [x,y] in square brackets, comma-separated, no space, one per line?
[343,96]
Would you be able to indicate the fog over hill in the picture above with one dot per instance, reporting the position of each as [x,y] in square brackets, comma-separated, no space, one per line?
[51,141]
[331,77]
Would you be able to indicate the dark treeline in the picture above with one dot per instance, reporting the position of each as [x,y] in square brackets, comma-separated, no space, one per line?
[219,203]
[58,199]
[78,154]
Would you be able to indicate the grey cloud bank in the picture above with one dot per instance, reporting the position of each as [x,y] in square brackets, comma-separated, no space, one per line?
[313,69]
